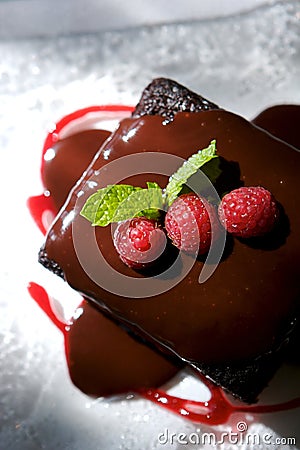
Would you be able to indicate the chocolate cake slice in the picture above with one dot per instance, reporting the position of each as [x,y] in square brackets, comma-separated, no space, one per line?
[233,328]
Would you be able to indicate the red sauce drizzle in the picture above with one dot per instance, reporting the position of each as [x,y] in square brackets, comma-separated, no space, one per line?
[40,296]
[215,411]
[38,206]
[218,409]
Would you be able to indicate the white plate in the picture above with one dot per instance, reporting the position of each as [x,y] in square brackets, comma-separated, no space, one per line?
[244,63]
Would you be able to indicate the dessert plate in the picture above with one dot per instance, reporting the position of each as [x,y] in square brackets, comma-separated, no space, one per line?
[244,63]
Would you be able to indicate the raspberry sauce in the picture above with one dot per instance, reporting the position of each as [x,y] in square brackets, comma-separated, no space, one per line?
[91,368]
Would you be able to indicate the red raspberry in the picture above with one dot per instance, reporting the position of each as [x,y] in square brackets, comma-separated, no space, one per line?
[139,242]
[188,223]
[248,212]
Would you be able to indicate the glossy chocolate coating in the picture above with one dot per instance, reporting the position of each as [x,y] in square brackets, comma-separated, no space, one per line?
[65,162]
[252,289]
[104,360]
[281,121]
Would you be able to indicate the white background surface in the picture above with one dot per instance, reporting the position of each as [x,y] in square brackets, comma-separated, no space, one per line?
[244,63]
[19,18]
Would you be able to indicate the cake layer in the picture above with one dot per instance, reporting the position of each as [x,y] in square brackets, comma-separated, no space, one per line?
[164,97]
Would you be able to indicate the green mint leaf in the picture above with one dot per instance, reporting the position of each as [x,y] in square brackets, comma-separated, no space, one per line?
[115,203]
[152,185]
[101,207]
[143,202]
[154,213]
[213,169]
[189,167]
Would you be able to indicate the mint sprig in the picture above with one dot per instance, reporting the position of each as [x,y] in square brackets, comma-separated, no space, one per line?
[119,202]
[189,168]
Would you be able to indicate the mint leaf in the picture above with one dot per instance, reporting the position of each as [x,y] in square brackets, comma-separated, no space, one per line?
[143,202]
[213,170]
[152,185]
[189,167]
[115,203]
[154,213]
[101,207]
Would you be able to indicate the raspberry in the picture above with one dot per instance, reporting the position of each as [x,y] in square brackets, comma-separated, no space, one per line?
[248,212]
[139,242]
[188,223]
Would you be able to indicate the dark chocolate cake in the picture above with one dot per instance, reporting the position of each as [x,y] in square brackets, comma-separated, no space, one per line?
[164,97]
[234,327]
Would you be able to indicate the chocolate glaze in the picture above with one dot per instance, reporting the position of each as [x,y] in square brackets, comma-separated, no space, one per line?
[85,362]
[252,289]
[105,360]
[64,163]
[282,121]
